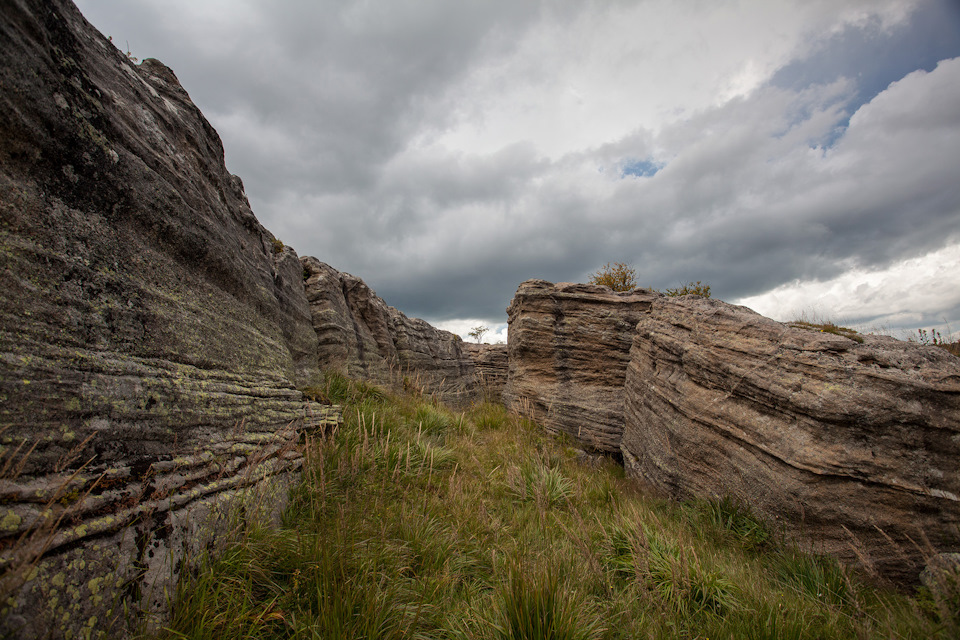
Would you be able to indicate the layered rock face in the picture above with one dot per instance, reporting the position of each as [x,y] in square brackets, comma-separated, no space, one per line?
[359,334]
[856,445]
[490,363]
[569,346]
[152,333]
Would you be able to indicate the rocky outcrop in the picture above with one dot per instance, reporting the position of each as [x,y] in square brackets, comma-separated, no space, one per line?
[853,443]
[359,334]
[152,333]
[490,364]
[569,346]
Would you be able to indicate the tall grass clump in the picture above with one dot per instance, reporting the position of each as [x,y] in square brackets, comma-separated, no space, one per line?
[416,521]
[539,605]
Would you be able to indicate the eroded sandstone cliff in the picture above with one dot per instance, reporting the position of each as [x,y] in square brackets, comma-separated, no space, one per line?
[856,445]
[152,333]
[491,367]
[569,346]
[362,336]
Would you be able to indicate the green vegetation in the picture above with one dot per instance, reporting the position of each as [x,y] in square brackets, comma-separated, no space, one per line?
[936,338]
[827,327]
[620,276]
[413,521]
[278,246]
[477,332]
[694,288]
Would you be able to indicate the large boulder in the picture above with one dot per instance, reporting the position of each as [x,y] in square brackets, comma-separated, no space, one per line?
[569,346]
[152,332]
[853,442]
[362,336]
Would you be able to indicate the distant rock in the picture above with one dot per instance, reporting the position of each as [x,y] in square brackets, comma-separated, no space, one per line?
[152,332]
[490,364]
[856,445]
[359,334]
[569,346]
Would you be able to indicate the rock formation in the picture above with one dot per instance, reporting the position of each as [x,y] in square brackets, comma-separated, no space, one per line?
[569,346]
[854,444]
[361,335]
[152,333]
[490,364]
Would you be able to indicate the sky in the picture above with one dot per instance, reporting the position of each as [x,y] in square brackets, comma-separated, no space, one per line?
[802,158]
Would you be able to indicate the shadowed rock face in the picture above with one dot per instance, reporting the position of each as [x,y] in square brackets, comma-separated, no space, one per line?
[490,361]
[569,347]
[855,445]
[151,332]
[362,336]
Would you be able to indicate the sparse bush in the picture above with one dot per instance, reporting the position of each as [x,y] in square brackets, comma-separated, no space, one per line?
[695,288]
[477,332]
[936,338]
[619,276]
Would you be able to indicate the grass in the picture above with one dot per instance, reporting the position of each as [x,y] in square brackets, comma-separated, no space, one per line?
[413,521]
[828,327]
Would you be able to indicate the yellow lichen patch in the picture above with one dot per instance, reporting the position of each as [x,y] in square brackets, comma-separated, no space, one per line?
[10,522]
[94,585]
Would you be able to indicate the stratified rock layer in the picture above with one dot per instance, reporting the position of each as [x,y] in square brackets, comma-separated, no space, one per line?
[151,331]
[490,362]
[854,444]
[569,347]
[360,335]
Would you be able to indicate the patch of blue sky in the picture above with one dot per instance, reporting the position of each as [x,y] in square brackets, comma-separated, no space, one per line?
[872,58]
[640,168]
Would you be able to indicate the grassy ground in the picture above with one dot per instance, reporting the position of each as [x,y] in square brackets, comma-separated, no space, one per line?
[416,522]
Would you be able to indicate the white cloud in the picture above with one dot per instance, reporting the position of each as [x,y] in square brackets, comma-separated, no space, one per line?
[495,334]
[578,81]
[909,294]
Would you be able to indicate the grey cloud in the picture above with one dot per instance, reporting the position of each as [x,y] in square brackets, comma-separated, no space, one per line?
[330,112]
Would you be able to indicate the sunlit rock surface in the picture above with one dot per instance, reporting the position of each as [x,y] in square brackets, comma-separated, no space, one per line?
[569,346]
[854,445]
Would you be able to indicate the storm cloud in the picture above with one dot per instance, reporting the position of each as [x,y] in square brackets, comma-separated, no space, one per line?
[797,156]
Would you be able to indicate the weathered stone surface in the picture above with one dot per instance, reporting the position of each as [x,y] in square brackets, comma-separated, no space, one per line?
[151,331]
[359,334]
[490,364]
[856,445]
[569,347]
